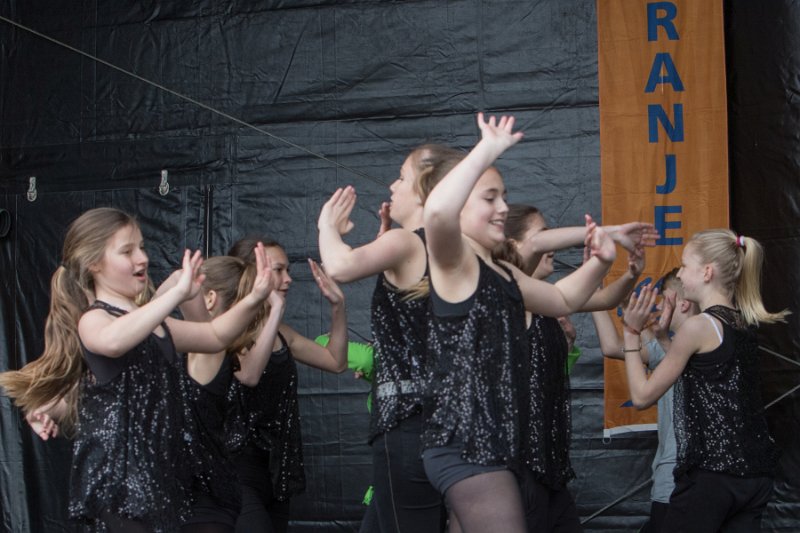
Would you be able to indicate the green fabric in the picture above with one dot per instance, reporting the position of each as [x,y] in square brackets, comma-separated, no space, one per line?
[368,496]
[359,356]
[572,356]
[359,359]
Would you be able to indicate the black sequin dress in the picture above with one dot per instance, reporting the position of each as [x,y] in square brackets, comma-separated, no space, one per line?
[208,409]
[267,419]
[400,329]
[477,360]
[719,414]
[546,438]
[128,457]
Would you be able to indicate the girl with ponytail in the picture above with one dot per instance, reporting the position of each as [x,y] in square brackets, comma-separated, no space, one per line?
[726,457]
[403,499]
[118,355]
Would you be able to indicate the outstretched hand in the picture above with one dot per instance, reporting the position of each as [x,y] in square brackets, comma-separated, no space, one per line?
[264,282]
[499,134]
[633,234]
[336,211]
[330,290]
[638,314]
[42,424]
[190,280]
[660,327]
[599,243]
[636,261]
[385,218]
[569,331]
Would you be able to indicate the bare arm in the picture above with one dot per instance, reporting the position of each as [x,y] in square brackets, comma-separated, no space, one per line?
[390,250]
[610,343]
[613,295]
[442,211]
[253,363]
[629,236]
[333,357]
[692,338]
[114,336]
[217,335]
[569,294]
[193,309]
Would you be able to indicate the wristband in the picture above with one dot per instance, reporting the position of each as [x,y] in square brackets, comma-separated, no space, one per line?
[631,350]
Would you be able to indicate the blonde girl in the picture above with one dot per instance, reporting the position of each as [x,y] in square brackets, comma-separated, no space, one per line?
[403,499]
[726,457]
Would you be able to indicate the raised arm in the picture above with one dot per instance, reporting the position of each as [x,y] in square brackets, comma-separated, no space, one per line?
[443,207]
[389,251]
[610,343]
[333,357]
[217,335]
[612,295]
[253,363]
[569,294]
[115,336]
[630,236]
[193,309]
[692,338]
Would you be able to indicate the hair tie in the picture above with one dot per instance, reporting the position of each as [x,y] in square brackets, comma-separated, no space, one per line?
[740,241]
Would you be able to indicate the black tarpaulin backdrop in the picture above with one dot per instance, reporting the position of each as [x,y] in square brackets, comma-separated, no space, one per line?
[361,83]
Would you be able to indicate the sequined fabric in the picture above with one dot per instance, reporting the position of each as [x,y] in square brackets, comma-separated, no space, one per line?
[478,386]
[207,408]
[266,417]
[400,330]
[719,414]
[128,456]
[546,437]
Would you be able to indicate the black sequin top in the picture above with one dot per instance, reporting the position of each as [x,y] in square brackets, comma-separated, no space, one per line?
[129,455]
[208,409]
[546,438]
[268,419]
[400,329]
[477,359]
[719,415]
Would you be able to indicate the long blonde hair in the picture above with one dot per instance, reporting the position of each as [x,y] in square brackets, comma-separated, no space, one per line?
[56,373]
[738,262]
[231,278]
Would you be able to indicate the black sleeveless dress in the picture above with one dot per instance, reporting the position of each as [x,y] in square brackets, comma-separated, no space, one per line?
[719,414]
[129,456]
[478,363]
[546,437]
[208,408]
[400,329]
[267,418]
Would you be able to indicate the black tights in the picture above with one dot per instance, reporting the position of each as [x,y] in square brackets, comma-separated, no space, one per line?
[487,502]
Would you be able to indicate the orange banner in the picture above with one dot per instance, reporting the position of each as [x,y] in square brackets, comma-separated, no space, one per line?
[663,140]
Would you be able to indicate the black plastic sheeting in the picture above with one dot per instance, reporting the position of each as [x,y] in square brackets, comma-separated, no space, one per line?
[361,83]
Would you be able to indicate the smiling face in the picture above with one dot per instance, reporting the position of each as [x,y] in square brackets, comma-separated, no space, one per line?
[484,214]
[122,272]
[405,201]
